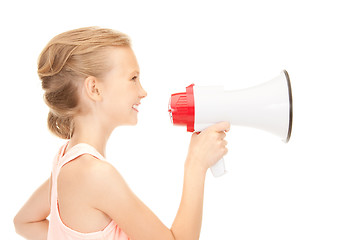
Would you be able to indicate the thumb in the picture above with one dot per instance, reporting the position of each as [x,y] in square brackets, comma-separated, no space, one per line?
[221,127]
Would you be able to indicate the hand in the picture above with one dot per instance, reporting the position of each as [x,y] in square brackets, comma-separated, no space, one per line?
[208,146]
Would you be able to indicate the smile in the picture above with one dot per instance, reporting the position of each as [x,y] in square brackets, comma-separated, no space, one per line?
[135,107]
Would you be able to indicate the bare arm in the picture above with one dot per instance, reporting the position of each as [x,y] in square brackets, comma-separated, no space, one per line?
[211,148]
[187,223]
[30,222]
[113,196]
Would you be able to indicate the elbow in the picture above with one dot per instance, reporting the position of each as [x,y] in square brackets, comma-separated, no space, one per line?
[18,224]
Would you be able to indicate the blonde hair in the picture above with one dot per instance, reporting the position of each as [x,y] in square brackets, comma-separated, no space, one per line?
[66,59]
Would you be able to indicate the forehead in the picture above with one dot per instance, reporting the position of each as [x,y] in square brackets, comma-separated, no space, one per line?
[123,60]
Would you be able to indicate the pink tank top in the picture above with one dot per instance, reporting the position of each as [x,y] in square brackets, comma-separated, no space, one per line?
[57,229]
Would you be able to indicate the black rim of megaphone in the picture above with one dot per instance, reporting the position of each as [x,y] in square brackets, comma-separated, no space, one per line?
[290,105]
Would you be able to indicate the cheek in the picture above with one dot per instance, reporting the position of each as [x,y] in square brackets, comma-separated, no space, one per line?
[117,101]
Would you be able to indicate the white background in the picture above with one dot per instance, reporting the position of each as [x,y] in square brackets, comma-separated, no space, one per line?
[306,189]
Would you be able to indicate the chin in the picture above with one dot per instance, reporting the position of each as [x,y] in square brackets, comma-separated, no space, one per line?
[133,122]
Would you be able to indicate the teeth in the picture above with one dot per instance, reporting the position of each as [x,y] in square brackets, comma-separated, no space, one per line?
[135,106]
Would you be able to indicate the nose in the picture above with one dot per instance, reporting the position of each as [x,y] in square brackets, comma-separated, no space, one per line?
[142,92]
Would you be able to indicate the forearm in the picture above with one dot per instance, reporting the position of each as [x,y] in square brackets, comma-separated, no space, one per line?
[187,223]
[30,222]
[33,230]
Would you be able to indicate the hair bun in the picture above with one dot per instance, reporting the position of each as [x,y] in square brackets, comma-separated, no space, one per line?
[68,58]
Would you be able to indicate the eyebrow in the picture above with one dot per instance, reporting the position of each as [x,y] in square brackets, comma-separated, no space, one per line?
[135,72]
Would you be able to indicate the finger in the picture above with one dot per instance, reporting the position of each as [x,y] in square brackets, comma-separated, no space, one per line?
[226,151]
[222,135]
[223,144]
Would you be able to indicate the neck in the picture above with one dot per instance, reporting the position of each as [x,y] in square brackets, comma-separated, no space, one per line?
[90,130]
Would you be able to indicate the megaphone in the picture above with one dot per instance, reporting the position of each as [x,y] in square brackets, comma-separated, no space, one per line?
[267,106]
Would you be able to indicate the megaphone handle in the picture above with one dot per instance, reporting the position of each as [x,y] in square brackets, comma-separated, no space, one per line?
[218,169]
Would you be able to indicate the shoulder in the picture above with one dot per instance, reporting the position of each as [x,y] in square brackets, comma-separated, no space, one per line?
[90,174]
[101,174]
[102,184]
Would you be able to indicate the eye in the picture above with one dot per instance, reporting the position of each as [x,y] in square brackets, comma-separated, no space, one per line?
[134,78]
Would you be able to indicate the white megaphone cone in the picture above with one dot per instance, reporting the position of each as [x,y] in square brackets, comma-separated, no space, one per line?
[267,106]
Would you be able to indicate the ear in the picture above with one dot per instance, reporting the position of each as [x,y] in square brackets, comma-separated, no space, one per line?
[93,88]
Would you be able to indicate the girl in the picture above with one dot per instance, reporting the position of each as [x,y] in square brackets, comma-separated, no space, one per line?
[91,81]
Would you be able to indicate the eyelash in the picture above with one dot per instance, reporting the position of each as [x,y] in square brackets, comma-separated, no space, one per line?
[134,78]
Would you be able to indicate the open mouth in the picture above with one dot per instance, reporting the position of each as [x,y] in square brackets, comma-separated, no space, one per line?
[135,107]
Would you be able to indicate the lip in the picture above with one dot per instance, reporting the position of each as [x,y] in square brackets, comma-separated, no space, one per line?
[135,108]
